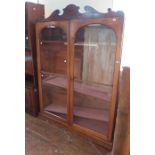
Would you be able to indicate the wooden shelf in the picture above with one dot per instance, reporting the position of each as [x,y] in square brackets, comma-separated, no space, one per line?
[96,125]
[91,113]
[57,108]
[94,119]
[52,42]
[79,87]
[84,112]
[93,44]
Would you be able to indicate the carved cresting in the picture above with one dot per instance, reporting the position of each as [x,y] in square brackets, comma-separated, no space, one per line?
[72,12]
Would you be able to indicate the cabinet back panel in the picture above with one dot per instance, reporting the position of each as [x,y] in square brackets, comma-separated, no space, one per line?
[52,58]
[96,48]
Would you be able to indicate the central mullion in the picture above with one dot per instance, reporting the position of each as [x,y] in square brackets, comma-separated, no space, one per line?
[71,73]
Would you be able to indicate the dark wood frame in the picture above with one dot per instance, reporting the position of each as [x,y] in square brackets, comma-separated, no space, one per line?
[33,13]
[73,21]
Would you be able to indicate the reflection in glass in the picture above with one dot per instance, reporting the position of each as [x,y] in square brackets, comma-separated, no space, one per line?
[93,75]
[54,70]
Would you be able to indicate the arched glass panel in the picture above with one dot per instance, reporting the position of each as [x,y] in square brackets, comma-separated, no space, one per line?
[53,50]
[94,59]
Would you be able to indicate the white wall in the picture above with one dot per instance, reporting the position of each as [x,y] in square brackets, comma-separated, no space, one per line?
[34,1]
[51,5]
[127,49]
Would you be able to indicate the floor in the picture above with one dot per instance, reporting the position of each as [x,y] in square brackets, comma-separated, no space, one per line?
[43,138]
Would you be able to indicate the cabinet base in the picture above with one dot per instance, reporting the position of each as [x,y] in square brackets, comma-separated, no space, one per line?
[93,136]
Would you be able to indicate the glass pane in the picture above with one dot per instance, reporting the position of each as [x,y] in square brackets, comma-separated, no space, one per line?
[53,49]
[93,75]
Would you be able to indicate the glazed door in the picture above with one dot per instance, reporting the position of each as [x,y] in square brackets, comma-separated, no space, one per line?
[94,51]
[53,68]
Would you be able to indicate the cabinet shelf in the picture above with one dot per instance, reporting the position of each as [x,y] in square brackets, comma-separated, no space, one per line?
[96,125]
[52,42]
[56,108]
[83,112]
[91,113]
[79,87]
[93,44]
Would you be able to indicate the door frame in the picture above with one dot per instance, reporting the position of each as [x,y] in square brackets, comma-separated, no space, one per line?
[116,25]
[39,27]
